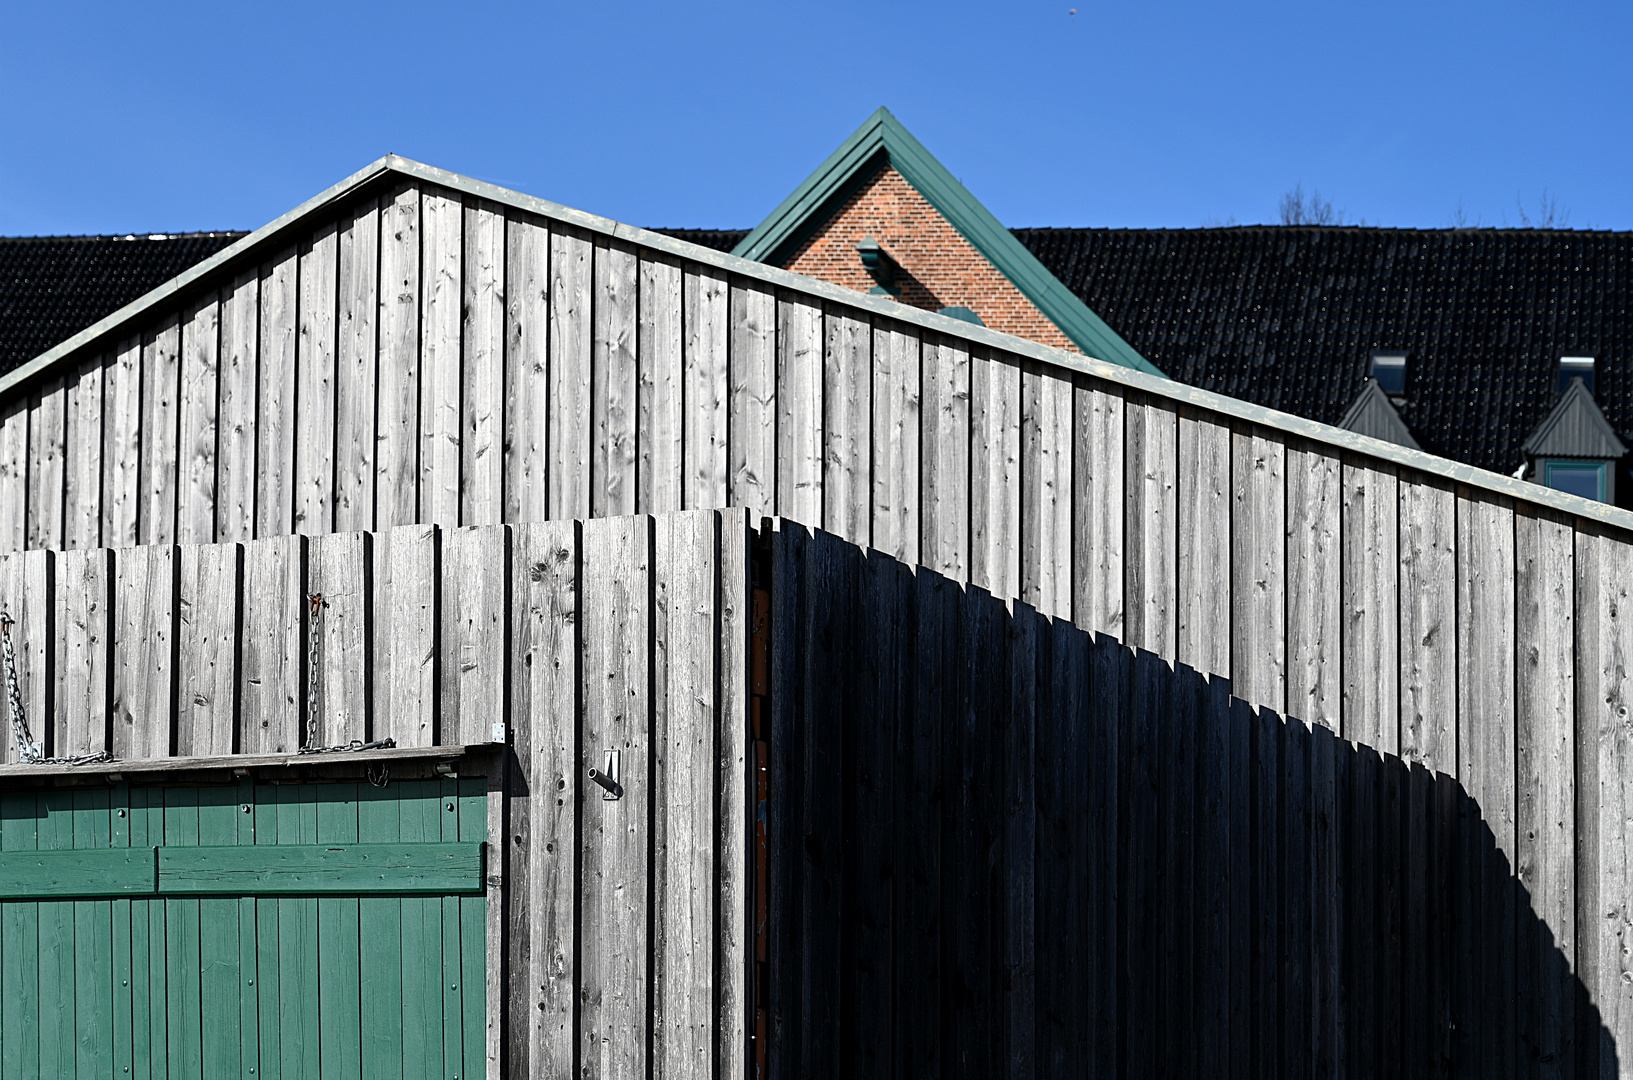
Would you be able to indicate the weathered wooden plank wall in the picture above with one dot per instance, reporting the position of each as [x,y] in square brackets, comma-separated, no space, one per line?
[621,927]
[1137,874]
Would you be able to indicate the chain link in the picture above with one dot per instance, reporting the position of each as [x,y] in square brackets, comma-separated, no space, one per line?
[315,604]
[28,751]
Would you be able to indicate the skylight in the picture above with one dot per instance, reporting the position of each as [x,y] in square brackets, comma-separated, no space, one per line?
[1389,368]
[1575,367]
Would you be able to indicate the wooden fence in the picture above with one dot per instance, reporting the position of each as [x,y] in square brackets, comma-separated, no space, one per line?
[1004,846]
[618,930]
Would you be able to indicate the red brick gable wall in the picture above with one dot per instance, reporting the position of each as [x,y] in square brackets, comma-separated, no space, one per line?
[939,268]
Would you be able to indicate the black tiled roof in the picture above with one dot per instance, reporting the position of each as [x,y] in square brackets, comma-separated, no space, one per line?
[719,239]
[1287,316]
[52,287]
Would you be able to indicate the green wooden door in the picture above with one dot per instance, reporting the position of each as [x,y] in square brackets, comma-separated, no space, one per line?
[348,942]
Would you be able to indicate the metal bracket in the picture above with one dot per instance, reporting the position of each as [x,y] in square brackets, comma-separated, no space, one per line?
[610,776]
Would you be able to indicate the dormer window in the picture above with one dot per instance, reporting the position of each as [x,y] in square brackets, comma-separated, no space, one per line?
[1389,368]
[1575,367]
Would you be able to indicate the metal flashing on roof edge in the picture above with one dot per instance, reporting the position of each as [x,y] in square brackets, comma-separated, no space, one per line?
[881,139]
[268,236]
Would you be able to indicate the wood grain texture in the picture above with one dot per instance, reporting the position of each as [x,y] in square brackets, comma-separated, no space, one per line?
[82,502]
[1046,479]
[527,368]
[238,376]
[14,475]
[161,412]
[734,821]
[397,435]
[122,443]
[1315,614]
[1150,586]
[570,340]
[144,638]
[544,956]
[1203,563]
[47,464]
[314,404]
[1428,626]
[471,645]
[1258,569]
[405,635]
[337,570]
[1371,568]
[995,474]
[846,416]
[31,600]
[799,342]
[482,368]
[945,450]
[661,399]
[441,300]
[357,360]
[273,636]
[896,431]
[196,456]
[208,584]
[685,742]
[275,403]
[83,636]
[705,315]
[752,423]
[614,381]
[614,946]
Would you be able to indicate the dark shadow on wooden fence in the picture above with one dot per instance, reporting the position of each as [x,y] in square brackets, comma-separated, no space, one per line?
[1004,847]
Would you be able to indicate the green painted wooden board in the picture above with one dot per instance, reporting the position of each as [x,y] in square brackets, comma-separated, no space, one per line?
[319,869]
[30,875]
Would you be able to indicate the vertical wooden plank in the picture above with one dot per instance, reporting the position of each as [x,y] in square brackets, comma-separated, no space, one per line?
[995,474]
[614,843]
[1020,847]
[895,518]
[1176,859]
[526,408]
[144,638]
[705,379]
[614,381]
[249,1024]
[451,961]
[799,408]
[479,944]
[1371,643]
[568,399]
[360,298]
[405,635]
[945,515]
[1065,872]
[93,947]
[1203,562]
[337,570]
[1047,413]
[19,945]
[846,414]
[472,643]
[14,474]
[82,521]
[380,944]
[1428,627]
[239,377]
[1259,568]
[299,981]
[1151,430]
[1139,894]
[47,428]
[122,444]
[441,299]
[83,635]
[123,999]
[275,409]
[180,937]
[736,786]
[270,703]
[544,953]
[200,379]
[1264,853]
[753,404]
[661,401]
[219,951]
[1545,785]
[684,738]
[58,1018]
[30,600]
[1295,893]
[783,730]
[397,447]
[1215,784]
[482,371]
[1314,582]
[207,607]
[161,418]
[340,1034]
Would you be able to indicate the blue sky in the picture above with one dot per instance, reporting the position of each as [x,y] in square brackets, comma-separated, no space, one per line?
[137,117]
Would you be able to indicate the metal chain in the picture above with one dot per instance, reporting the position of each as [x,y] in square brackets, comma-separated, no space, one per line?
[315,604]
[28,751]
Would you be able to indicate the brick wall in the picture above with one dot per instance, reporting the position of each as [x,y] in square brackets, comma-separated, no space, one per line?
[939,268]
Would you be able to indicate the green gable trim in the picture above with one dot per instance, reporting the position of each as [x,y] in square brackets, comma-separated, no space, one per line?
[883,138]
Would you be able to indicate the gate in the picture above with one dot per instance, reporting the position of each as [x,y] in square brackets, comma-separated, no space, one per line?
[258,930]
